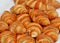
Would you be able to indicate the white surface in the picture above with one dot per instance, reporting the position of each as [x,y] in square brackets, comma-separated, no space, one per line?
[6,5]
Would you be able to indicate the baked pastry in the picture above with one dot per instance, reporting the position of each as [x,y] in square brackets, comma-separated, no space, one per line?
[34,29]
[50,8]
[39,17]
[7,37]
[54,3]
[17,28]
[30,21]
[36,12]
[24,19]
[36,4]
[25,39]
[52,14]
[44,39]
[20,1]
[3,26]
[51,32]
[19,9]
[43,4]
[8,17]
[56,22]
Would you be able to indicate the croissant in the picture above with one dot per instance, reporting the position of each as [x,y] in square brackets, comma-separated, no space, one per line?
[36,4]
[19,9]
[8,17]
[17,28]
[52,14]
[24,18]
[20,1]
[43,4]
[35,12]
[56,22]
[7,37]
[39,17]
[44,39]
[34,29]
[25,39]
[3,26]
[50,8]
[54,3]
[51,32]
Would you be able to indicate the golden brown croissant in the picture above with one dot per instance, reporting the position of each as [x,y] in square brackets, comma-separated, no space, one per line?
[20,1]
[43,4]
[51,32]
[36,4]
[44,39]
[7,37]
[3,26]
[54,3]
[39,17]
[34,29]
[50,7]
[25,39]
[56,22]
[24,18]
[36,12]
[17,28]
[19,9]
[52,14]
[8,17]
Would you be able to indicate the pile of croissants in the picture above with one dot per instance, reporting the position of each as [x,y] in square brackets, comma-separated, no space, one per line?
[30,21]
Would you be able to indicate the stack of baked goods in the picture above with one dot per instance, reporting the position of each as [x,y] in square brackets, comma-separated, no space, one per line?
[30,21]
